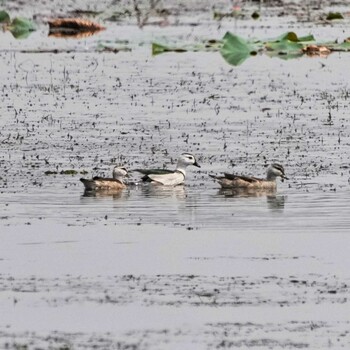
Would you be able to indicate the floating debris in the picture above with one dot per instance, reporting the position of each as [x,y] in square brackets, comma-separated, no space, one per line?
[334,15]
[73,27]
[65,172]
[316,50]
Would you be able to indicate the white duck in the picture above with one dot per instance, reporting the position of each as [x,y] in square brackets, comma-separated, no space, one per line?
[170,177]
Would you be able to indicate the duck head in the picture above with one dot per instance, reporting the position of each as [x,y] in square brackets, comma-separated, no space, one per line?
[276,170]
[187,159]
[119,173]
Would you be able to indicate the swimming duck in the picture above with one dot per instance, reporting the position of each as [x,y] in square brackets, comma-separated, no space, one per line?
[170,177]
[246,182]
[102,183]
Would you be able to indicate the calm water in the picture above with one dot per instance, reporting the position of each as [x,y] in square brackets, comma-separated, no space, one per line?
[167,268]
[191,207]
[301,122]
[292,112]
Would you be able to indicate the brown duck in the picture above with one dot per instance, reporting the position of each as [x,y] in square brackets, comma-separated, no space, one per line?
[102,183]
[252,183]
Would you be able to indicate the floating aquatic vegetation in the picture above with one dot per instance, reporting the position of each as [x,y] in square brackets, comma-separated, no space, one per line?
[73,27]
[255,15]
[235,49]
[334,15]
[235,13]
[80,12]
[4,17]
[314,50]
[209,45]
[119,15]
[114,46]
[335,46]
[19,27]
[66,172]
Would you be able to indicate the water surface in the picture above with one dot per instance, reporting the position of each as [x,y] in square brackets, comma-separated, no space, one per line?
[186,267]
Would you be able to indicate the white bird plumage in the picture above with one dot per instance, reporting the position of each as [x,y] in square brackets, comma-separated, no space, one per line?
[170,177]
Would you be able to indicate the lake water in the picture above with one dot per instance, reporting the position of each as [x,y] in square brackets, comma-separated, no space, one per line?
[191,267]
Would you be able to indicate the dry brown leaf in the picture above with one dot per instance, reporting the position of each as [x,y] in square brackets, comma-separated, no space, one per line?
[315,50]
[73,25]
[72,35]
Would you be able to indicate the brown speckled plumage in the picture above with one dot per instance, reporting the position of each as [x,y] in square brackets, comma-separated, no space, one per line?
[98,183]
[101,183]
[248,182]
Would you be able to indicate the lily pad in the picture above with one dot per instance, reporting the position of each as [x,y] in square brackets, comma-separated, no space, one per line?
[285,47]
[21,27]
[306,38]
[4,17]
[344,46]
[291,36]
[236,50]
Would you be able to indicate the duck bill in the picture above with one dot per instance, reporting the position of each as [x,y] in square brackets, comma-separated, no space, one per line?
[196,164]
[284,177]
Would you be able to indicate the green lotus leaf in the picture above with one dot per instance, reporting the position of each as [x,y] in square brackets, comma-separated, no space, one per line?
[236,50]
[21,27]
[306,38]
[344,46]
[158,49]
[4,17]
[284,47]
[291,36]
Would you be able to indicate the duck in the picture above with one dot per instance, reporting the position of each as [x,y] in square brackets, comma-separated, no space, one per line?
[252,183]
[170,177]
[102,183]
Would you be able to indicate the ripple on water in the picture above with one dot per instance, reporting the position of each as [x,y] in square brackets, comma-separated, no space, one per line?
[191,206]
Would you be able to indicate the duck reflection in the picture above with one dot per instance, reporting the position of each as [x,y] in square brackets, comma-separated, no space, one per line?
[274,202]
[115,194]
[156,191]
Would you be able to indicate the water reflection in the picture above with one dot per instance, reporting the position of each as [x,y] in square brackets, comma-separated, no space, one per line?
[274,202]
[115,194]
[157,191]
